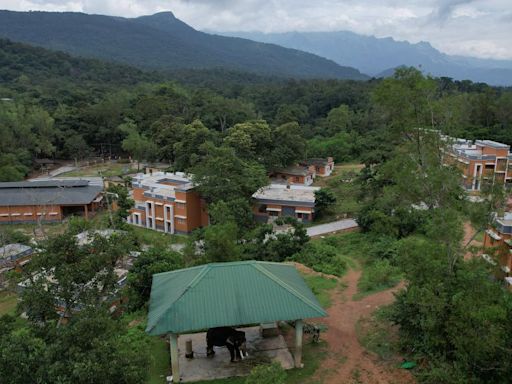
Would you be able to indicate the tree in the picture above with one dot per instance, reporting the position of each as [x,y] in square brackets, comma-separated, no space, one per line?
[324,198]
[223,176]
[220,243]
[250,140]
[140,276]
[73,277]
[76,147]
[289,146]
[338,120]
[191,149]
[120,195]
[138,145]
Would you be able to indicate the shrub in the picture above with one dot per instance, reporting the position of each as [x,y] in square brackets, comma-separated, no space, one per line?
[322,257]
[267,374]
[379,275]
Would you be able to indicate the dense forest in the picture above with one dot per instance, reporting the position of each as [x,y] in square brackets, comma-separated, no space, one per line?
[54,105]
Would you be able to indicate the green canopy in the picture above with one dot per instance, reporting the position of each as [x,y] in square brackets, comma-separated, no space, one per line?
[228,294]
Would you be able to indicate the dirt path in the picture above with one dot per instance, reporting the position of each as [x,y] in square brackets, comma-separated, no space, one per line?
[348,362]
[469,232]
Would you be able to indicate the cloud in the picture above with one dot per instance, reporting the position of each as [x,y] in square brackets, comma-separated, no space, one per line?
[466,27]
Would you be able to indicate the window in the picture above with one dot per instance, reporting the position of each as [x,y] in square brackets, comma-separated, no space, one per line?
[181,221]
[180,205]
[297,179]
[300,215]
[273,213]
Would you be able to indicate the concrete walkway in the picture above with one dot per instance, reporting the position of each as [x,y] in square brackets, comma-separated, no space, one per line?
[55,172]
[335,226]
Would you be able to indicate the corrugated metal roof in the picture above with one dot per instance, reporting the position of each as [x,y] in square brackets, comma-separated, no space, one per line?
[228,294]
[44,184]
[47,192]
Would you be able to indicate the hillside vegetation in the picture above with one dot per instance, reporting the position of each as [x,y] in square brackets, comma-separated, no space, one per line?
[163,42]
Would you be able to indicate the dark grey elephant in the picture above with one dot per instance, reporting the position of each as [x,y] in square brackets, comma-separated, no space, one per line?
[229,337]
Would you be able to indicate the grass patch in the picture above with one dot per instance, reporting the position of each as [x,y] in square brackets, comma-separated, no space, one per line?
[479,237]
[378,335]
[103,169]
[155,238]
[160,361]
[377,276]
[342,183]
[321,287]
[8,302]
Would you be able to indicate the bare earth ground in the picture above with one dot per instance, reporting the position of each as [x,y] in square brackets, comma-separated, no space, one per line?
[469,232]
[347,361]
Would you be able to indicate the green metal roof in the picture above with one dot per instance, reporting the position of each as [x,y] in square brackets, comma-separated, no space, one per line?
[228,294]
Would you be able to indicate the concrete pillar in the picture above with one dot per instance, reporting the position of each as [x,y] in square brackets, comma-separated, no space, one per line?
[297,356]
[173,338]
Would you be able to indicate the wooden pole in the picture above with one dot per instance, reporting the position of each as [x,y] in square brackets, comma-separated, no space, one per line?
[173,338]
[297,356]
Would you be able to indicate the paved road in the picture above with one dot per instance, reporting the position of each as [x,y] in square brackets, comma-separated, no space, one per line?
[335,226]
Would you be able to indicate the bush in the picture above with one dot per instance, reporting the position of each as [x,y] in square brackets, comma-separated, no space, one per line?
[379,275]
[267,374]
[322,257]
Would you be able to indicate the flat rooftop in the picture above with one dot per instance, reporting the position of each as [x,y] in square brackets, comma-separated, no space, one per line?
[163,183]
[287,193]
[10,250]
[493,144]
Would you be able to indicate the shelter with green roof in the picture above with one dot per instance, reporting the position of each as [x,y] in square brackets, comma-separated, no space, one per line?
[229,294]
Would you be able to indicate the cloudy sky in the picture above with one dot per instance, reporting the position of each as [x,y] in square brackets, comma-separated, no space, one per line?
[481,28]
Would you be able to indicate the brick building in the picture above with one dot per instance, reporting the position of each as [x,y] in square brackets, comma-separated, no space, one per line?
[296,174]
[47,200]
[279,200]
[167,202]
[484,160]
[323,166]
[499,238]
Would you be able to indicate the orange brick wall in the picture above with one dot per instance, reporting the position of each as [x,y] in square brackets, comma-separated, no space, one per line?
[25,210]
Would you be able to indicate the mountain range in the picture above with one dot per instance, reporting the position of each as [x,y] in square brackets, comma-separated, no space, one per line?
[162,42]
[379,56]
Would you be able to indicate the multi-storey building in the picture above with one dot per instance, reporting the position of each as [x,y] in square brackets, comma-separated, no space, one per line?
[279,200]
[484,160]
[167,202]
[499,239]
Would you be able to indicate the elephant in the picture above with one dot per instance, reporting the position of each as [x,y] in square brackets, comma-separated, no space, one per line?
[226,336]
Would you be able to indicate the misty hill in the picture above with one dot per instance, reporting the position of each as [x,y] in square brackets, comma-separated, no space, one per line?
[162,42]
[378,56]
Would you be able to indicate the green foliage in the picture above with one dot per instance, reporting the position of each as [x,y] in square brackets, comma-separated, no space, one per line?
[322,257]
[324,198]
[12,236]
[220,243]
[379,275]
[264,244]
[267,374]
[321,287]
[72,276]
[140,276]
[342,146]
[227,182]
